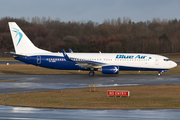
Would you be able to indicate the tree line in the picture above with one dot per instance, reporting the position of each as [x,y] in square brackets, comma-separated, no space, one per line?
[112,36]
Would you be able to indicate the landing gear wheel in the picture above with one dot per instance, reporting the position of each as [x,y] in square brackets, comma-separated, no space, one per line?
[91,73]
[159,74]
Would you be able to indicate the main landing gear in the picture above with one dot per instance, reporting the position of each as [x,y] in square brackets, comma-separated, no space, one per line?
[91,73]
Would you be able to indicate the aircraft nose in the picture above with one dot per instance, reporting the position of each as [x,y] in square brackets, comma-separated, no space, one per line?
[173,64]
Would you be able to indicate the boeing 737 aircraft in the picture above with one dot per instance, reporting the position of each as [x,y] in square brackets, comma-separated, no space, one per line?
[108,63]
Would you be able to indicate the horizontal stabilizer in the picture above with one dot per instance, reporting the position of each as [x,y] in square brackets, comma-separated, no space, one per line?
[17,55]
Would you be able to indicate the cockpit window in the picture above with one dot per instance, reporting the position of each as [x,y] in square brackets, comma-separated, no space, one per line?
[166,59]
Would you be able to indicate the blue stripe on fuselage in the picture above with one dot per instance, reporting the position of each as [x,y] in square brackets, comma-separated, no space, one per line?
[56,62]
[53,62]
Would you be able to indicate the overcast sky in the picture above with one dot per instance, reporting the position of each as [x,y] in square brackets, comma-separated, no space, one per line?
[94,10]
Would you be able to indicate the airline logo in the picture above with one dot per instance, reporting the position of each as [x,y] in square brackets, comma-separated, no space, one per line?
[115,70]
[131,56]
[18,33]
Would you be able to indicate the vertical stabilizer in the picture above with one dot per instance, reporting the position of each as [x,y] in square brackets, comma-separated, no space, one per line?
[21,42]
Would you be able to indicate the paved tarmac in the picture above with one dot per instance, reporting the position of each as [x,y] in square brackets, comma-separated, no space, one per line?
[25,83]
[8,113]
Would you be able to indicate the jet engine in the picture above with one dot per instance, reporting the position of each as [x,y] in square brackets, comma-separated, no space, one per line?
[110,69]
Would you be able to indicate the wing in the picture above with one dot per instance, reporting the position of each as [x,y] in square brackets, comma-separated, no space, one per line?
[88,64]
[83,63]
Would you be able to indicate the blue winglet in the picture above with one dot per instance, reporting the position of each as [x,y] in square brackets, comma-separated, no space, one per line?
[70,50]
[65,55]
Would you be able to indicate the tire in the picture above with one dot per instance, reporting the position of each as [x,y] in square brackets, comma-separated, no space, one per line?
[91,73]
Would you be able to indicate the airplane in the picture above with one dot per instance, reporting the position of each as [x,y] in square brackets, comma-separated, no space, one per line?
[107,63]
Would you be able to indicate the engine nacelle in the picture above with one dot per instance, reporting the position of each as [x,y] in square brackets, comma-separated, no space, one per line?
[110,69]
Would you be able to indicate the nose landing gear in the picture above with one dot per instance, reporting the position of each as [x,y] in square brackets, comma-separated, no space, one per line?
[161,71]
[159,74]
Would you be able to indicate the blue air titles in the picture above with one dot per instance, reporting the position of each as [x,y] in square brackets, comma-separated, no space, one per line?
[131,56]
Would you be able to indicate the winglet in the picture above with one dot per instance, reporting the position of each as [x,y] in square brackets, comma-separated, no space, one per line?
[70,50]
[65,55]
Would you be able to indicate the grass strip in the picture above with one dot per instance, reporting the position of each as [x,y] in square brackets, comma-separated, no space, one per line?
[6,80]
[8,59]
[141,97]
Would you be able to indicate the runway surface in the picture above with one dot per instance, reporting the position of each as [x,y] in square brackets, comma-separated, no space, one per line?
[25,83]
[8,112]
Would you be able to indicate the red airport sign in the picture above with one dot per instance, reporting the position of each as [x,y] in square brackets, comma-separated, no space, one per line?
[118,93]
